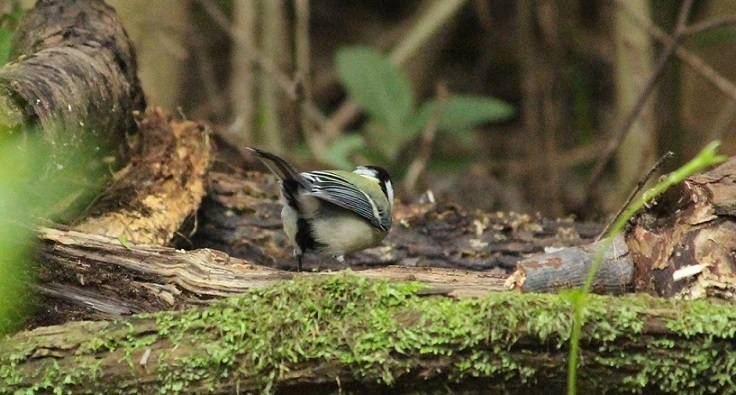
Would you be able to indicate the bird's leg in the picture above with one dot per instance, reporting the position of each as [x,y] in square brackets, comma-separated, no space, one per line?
[298,254]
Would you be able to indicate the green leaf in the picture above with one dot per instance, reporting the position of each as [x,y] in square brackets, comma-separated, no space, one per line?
[388,144]
[31,185]
[124,242]
[338,153]
[462,112]
[378,86]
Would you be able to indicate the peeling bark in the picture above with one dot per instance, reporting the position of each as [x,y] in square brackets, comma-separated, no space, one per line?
[683,245]
[85,276]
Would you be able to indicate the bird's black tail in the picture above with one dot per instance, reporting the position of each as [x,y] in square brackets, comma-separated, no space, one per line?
[280,167]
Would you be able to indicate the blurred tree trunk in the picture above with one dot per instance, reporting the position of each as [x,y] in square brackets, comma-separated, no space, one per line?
[634,67]
[159,34]
[706,113]
[242,90]
[541,100]
[669,102]
[274,45]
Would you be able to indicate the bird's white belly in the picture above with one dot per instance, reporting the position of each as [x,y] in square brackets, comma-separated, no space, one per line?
[346,235]
[341,231]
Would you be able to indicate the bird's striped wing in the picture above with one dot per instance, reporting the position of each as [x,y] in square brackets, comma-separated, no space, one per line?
[335,189]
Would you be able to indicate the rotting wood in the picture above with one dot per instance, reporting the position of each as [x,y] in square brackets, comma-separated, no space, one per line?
[683,244]
[161,187]
[241,216]
[70,86]
[73,70]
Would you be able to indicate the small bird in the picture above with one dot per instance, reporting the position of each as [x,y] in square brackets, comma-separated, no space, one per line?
[332,212]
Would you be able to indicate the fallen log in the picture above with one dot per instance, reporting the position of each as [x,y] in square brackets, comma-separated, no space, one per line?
[567,268]
[345,333]
[241,216]
[67,97]
[88,276]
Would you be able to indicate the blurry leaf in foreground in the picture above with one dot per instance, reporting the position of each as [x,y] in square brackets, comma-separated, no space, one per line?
[31,183]
[8,25]
[381,88]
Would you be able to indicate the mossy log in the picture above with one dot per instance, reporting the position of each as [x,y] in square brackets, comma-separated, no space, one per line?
[326,334]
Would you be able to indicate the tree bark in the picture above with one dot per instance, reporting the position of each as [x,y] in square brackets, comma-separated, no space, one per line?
[683,243]
[71,83]
[73,71]
[83,276]
[569,267]
[241,217]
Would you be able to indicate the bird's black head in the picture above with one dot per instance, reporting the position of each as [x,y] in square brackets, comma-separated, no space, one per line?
[381,176]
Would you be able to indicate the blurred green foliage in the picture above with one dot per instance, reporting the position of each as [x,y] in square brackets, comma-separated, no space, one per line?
[8,23]
[36,182]
[716,36]
[384,92]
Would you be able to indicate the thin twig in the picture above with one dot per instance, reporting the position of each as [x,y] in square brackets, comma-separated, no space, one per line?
[643,181]
[703,69]
[425,145]
[615,141]
[697,28]
[268,65]
[724,119]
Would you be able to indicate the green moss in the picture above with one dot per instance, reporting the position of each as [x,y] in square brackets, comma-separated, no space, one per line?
[381,330]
